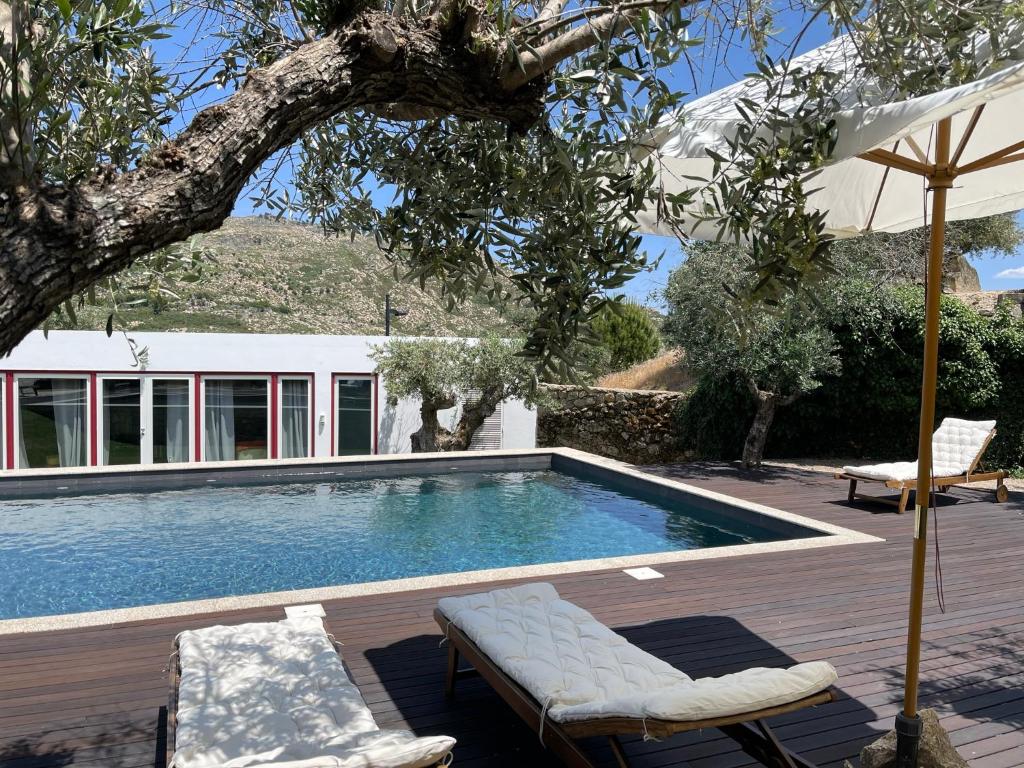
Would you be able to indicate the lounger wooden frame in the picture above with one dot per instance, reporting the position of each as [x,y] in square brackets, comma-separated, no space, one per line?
[174,679]
[943,483]
[749,729]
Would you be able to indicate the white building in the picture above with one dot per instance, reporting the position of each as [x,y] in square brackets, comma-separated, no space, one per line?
[79,398]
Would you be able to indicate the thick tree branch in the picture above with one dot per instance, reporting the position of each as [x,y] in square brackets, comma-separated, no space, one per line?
[540,28]
[550,10]
[56,241]
[541,60]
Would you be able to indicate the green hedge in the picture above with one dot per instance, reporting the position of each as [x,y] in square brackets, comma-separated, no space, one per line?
[871,408]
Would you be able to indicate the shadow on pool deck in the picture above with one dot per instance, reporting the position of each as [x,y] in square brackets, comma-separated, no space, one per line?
[489,732]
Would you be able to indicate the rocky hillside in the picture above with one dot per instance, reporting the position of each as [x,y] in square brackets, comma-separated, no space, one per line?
[269,276]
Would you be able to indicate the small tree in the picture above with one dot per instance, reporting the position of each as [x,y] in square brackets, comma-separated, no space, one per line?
[780,351]
[441,372]
[628,332]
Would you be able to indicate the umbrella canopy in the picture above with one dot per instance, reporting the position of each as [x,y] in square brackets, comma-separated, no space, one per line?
[863,197]
[961,146]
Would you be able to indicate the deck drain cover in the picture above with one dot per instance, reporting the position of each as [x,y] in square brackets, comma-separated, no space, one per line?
[642,574]
[298,611]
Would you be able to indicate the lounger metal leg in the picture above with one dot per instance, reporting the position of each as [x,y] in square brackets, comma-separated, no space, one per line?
[762,744]
[852,495]
[453,670]
[618,751]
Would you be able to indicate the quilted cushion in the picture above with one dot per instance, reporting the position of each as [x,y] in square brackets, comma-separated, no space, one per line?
[277,694]
[955,446]
[579,669]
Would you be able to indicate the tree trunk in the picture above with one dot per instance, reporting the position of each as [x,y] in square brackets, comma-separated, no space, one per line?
[753,447]
[56,241]
[473,416]
[767,404]
[431,436]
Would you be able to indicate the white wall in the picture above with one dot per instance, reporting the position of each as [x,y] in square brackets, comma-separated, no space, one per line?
[322,356]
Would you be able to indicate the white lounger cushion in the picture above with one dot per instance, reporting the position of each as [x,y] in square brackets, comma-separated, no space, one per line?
[277,694]
[955,446]
[578,669]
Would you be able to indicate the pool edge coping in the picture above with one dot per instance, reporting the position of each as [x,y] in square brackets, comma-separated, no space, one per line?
[835,536]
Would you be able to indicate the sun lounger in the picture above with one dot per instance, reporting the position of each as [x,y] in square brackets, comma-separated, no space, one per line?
[957,448]
[570,677]
[277,694]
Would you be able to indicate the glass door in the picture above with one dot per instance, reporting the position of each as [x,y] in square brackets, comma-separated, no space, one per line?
[169,436]
[144,420]
[354,418]
[122,428]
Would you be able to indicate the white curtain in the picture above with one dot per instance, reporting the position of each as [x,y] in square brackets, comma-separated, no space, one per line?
[69,418]
[177,421]
[294,418]
[22,453]
[220,421]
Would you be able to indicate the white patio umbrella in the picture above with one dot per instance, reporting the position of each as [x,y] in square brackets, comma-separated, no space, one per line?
[889,156]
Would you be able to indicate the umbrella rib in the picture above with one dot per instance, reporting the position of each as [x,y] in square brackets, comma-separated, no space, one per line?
[899,162]
[995,158]
[998,161]
[971,125]
[916,149]
[881,187]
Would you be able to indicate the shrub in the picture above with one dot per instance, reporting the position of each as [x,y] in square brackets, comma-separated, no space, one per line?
[871,407]
[629,334]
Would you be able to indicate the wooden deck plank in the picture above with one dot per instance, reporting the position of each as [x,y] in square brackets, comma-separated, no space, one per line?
[93,697]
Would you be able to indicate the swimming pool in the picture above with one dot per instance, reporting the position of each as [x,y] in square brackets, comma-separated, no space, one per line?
[93,552]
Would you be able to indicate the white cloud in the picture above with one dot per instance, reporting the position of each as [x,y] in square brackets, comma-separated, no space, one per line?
[1016,273]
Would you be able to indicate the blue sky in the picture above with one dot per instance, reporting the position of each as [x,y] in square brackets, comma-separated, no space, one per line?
[995,272]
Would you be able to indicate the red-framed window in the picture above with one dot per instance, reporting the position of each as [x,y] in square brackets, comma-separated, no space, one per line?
[79,418]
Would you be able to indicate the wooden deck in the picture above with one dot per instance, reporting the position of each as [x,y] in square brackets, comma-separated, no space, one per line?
[94,697]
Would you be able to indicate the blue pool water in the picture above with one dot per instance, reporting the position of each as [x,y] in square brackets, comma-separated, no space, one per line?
[116,550]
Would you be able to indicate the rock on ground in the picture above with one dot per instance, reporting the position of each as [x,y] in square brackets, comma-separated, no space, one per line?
[936,750]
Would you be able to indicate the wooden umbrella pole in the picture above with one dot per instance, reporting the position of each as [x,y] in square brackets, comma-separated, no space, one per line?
[908,723]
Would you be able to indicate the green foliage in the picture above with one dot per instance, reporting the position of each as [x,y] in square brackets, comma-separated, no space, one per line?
[96,97]
[901,256]
[758,192]
[784,348]
[870,408]
[714,420]
[432,369]
[479,205]
[627,331]
[932,45]
[153,281]
[445,370]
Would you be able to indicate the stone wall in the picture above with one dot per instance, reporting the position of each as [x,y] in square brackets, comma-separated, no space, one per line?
[637,426]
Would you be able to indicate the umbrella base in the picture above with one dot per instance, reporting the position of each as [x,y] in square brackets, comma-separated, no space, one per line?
[934,749]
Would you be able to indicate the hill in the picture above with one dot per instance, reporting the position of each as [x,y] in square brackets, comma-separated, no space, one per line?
[273,276]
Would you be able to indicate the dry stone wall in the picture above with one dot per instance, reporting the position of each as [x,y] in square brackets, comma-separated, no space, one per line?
[636,426]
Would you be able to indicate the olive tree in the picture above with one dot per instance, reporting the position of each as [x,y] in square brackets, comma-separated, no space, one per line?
[780,351]
[444,373]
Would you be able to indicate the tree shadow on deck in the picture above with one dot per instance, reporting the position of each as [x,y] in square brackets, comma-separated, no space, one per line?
[726,470]
[489,733]
[981,678]
[110,745]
